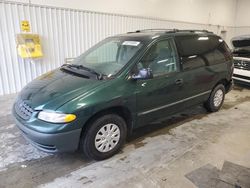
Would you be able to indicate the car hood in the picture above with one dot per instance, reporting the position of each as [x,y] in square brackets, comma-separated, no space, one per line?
[55,88]
[241,46]
[241,41]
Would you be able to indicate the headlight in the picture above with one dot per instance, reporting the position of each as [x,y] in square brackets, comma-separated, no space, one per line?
[54,117]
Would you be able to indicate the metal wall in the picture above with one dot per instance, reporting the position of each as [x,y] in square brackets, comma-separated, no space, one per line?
[65,33]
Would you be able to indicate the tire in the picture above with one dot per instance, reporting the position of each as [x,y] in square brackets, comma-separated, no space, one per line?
[95,145]
[216,98]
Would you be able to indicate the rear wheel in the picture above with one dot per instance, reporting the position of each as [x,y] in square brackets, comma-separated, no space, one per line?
[216,98]
[104,137]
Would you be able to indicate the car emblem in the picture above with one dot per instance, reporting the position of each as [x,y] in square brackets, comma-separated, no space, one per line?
[242,63]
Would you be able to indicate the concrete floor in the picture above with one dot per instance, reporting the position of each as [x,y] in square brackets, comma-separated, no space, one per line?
[190,150]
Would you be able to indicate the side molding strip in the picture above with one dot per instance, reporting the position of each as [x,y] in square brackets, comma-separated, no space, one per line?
[171,104]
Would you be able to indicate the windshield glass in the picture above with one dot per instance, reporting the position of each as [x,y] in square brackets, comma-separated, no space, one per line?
[241,43]
[109,56]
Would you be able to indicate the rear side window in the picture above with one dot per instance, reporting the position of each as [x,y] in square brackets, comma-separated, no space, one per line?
[192,62]
[191,49]
[193,45]
[200,50]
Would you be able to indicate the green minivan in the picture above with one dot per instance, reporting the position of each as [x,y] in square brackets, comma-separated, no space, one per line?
[122,83]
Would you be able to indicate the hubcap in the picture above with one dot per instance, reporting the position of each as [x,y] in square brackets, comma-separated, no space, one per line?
[107,137]
[218,97]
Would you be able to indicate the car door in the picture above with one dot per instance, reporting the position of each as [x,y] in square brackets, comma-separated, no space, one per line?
[156,97]
[196,55]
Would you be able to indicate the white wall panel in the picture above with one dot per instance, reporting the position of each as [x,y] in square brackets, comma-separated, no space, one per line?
[65,33]
[215,12]
[243,30]
[242,13]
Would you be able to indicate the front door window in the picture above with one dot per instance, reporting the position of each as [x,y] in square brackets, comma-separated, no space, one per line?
[160,59]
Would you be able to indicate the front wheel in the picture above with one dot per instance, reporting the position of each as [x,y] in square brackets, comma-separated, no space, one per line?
[216,98]
[104,137]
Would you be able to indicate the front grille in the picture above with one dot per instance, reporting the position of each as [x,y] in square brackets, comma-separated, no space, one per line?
[240,76]
[23,110]
[241,64]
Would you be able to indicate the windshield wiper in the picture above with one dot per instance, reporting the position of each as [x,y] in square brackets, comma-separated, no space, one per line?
[81,67]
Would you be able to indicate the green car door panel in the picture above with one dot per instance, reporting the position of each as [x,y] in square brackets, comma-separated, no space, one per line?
[154,93]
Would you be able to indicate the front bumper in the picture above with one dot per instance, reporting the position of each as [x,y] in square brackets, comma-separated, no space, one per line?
[52,143]
[241,75]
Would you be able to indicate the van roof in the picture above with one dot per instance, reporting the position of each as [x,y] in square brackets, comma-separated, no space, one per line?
[149,34]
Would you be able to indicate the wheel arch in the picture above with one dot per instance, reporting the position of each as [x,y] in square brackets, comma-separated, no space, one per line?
[225,83]
[122,111]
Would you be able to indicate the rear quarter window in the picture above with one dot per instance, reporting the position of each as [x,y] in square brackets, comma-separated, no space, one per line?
[221,52]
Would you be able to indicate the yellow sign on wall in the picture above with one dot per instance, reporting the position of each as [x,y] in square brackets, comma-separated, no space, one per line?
[25,26]
[29,46]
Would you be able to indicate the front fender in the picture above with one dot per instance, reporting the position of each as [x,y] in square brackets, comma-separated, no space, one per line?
[101,99]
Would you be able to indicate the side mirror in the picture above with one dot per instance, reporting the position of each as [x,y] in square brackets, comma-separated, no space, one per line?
[143,74]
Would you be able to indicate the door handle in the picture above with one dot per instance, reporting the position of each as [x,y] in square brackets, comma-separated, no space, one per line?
[179,82]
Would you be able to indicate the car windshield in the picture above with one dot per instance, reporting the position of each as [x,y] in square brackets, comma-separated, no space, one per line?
[109,56]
